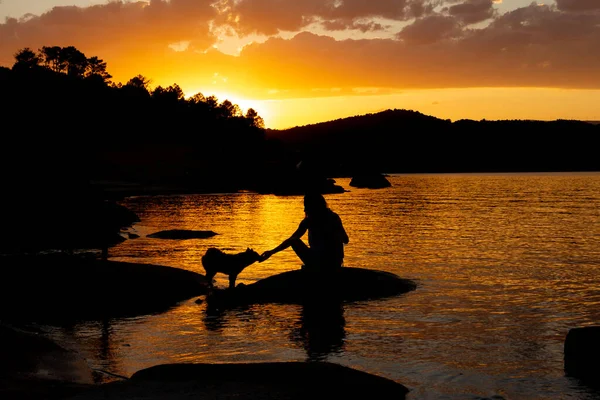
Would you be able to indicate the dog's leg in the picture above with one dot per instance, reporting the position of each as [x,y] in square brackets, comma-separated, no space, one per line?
[209,277]
[232,278]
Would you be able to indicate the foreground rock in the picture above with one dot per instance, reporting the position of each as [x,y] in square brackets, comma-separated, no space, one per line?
[59,215]
[582,354]
[349,284]
[34,367]
[277,380]
[57,288]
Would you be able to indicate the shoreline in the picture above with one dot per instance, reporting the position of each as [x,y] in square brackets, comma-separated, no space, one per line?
[38,368]
[59,288]
[49,290]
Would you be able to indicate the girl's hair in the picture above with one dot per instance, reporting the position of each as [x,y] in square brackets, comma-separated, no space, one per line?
[314,203]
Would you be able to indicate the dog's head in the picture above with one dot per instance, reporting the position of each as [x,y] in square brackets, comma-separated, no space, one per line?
[252,254]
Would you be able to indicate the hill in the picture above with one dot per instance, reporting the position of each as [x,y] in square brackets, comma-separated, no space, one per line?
[405,141]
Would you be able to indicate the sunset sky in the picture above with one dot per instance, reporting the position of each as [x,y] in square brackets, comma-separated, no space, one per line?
[300,62]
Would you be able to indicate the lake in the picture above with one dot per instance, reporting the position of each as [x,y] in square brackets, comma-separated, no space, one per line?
[505,265]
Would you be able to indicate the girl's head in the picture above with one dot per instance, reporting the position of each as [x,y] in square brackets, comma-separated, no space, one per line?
[314,203]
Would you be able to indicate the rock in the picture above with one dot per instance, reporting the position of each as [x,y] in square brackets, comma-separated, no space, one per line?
[34,367]
[271,380]
[296,287]
[58,287]
[182,234]
[582,353]
[65,225]
[370,181]
[30,354]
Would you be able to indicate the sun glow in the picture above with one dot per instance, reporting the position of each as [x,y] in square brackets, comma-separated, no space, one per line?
[453,104]
[262,108]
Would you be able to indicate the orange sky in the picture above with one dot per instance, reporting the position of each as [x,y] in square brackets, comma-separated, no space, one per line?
[304,62]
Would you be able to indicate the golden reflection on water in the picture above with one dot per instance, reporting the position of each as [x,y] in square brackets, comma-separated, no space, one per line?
[506,264]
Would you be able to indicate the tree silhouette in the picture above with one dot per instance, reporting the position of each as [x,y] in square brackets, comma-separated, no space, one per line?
[139,85]
[76,63]
[212,102]
[66,83]
[171,94]
[197,98]
[51,58]
[227,110]
[26,59]
[97,68]
[139,81]
[254,119]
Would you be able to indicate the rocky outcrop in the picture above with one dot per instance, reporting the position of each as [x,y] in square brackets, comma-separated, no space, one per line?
[264,381]
[182,234]
[65,224]
[582,353]
[29,354]
[34,367]
[58,287]
[298,287]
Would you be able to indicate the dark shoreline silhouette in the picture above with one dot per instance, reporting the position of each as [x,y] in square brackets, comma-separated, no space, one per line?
[97,142]
[132,139]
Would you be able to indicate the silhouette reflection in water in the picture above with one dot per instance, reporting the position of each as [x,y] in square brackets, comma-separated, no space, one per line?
[214,315]
[321,329]
[103,352]
[213,319]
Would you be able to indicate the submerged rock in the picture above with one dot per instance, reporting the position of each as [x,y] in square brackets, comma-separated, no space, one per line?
[182,234]
[370,181]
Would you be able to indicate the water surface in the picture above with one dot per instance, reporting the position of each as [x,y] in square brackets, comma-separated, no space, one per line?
[506,264]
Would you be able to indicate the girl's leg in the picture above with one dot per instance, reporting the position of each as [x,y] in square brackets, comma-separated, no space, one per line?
[302,251]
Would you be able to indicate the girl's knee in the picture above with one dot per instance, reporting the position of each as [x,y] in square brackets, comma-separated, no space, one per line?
[295,242]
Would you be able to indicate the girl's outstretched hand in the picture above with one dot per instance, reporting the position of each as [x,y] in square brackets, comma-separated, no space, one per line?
[264,256]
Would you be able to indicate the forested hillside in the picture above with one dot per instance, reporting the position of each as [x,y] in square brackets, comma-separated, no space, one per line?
[408,141]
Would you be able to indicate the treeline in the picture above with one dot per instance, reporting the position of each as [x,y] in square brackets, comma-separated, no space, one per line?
[66,121]
[68,130]
[405,141]
[67,118]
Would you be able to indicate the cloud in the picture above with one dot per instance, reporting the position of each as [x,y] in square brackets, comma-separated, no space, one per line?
[431,29]
[342,25]
[113,28]
[473,11]
[268,17]
[578,5]
[433,47]
[272,16]
[532,46]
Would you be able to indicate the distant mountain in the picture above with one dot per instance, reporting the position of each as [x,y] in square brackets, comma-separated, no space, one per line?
[405,141]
